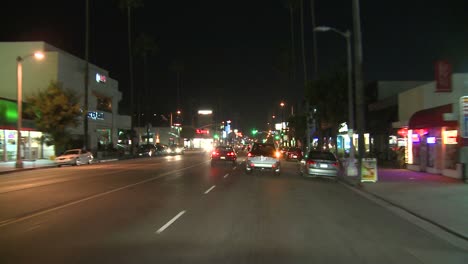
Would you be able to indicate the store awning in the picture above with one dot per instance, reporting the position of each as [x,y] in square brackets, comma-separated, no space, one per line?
[432,117]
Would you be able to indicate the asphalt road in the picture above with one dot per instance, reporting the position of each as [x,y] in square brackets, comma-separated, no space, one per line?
[178,209]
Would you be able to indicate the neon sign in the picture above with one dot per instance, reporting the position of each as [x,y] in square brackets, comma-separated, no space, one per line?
[431,140]
[202,131]
[100,78]
[96,115]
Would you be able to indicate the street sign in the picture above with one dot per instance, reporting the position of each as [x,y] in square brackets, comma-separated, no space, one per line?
[464,116]
[369,170]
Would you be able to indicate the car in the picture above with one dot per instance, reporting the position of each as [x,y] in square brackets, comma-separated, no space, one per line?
[263,156]
[223,154]
[320,163]
[293,153]
[74,157]
[146,150]
[161,149]
[175,149]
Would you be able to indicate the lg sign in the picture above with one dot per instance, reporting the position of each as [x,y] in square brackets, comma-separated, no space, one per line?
[100,78]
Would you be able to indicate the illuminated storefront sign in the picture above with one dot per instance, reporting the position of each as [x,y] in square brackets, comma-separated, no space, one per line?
[415,138]
[450,137]
[431,140]
[96,115]
[203,131]
[100,78]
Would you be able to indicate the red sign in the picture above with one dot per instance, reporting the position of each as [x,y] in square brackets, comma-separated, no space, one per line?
[202,131]
[443,76]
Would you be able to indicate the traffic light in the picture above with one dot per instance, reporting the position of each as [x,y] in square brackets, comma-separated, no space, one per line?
[216,136]
[277,137]
[254,132]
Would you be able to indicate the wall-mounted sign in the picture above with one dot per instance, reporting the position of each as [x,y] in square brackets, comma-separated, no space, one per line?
[203,131]
[96,115]
[431,140]
[100,78]
[450,137]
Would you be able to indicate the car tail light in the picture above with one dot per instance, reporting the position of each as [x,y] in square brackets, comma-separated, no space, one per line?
[230,153]
[214,153]
[335,164]
[250,154]
[252,165]
[311,162]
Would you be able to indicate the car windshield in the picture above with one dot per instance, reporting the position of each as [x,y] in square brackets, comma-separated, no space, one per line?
[71,152]
[319,155]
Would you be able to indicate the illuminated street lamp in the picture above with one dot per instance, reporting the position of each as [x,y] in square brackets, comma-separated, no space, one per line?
[19,73]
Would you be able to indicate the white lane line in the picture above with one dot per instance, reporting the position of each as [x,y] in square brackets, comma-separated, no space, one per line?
[212,187]
[160,230]
[19,219]
[227,174]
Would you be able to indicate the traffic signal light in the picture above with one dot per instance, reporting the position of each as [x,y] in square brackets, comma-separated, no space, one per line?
[216,136]
[277,137]
[254,131]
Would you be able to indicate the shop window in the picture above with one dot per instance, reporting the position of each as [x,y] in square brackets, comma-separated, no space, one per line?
[104,104]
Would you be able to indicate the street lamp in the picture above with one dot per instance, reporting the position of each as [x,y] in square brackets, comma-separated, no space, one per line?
[347,35]
[19,74]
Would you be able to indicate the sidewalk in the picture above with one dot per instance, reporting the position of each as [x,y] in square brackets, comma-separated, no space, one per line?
[440,200]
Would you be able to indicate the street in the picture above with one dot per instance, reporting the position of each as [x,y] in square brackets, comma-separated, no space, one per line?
[178,209]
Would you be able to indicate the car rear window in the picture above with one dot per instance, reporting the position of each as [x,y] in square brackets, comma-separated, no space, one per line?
[321,155]
[263,150]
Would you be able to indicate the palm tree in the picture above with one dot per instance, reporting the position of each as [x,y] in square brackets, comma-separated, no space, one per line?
[292,5]
[178,67]
[314,35]
[128,5]
[145,46]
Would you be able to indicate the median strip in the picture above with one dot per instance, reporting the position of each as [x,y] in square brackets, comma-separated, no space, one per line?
[160,230]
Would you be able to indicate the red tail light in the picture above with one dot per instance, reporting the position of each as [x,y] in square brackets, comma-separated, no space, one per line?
[249,154]
[311,162]
[214,153]
[335,164]
[230,153]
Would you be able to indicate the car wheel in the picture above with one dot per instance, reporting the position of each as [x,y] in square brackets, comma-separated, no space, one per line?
[248,171]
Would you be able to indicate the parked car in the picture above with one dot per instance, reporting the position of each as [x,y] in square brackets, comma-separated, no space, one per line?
[320,163]
[263,156]
[74,157]
[293,153]
[146,150]
[223,154]
[175,149]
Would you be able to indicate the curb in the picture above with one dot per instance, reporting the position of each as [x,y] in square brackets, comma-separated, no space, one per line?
[360,187]
[49,166]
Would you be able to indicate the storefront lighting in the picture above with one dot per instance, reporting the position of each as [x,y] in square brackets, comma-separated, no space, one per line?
[431,140]
[415,138]
[410,147]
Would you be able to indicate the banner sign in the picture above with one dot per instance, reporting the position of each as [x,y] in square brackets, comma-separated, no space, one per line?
[369,170]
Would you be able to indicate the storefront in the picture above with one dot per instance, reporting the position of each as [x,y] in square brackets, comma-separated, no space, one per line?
[433,142]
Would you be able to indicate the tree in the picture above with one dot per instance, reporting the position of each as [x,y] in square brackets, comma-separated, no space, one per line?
[178,67]
[145,46]
[291,5]
[55,110]
[187,132]
[329,95]
[128,5]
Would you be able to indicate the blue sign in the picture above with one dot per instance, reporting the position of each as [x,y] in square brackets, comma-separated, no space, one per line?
[96,115]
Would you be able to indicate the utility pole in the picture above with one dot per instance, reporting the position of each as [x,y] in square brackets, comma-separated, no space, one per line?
[86,79]
[360,118]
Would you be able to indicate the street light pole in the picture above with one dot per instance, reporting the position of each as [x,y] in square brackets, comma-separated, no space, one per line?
[19,75]
[347,35]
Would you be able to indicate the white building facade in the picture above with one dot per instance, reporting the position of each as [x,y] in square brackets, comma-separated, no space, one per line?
[104,122]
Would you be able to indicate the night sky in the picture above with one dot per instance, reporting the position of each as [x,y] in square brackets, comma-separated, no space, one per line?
[229,48]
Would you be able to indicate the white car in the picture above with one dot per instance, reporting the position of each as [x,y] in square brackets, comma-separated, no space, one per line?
[263,156]
[74,157]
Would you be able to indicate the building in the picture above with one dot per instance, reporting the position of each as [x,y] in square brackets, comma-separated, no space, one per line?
[432,122]
[103,94]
